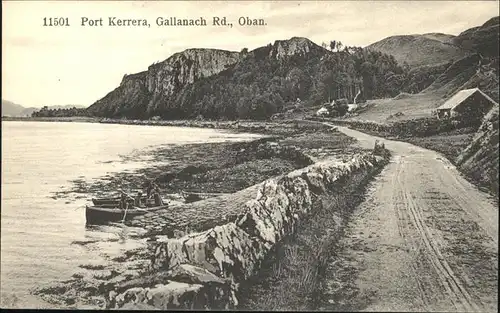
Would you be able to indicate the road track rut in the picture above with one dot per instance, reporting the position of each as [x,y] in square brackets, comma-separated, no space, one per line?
[424,239]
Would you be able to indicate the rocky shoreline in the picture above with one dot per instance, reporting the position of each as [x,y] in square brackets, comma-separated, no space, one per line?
[223,168]
[283,127]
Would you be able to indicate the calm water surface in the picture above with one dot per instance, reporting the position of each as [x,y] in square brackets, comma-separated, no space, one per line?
[41,158]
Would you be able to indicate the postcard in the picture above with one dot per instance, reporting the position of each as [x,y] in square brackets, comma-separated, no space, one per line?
[250,155]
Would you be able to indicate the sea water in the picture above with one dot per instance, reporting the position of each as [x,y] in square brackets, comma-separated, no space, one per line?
[41,158]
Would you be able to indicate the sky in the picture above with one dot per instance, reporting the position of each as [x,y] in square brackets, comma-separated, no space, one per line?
[79,65]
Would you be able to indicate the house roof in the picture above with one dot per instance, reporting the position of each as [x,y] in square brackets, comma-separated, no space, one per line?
[461,96]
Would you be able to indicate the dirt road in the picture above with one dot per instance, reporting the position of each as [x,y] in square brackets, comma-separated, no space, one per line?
[424,239]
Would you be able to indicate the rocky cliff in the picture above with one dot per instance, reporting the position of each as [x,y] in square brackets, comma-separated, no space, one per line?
[295,46]
[140,95]
[166,89]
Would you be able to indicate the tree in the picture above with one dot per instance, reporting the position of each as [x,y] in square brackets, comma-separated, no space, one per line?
[333,45]
[299,83]
[339,45]
[367,72]
[336,45]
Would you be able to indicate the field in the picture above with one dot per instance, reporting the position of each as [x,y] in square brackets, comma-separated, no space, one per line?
[402,107]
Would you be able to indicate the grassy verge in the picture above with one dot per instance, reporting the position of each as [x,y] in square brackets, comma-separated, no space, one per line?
[449,144]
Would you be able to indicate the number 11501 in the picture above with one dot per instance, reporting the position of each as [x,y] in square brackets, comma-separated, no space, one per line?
[55,21]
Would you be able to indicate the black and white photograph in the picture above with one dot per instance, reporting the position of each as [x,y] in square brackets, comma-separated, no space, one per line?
[250,155]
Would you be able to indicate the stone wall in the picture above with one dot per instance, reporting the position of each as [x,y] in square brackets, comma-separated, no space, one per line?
[420,127]
[203,270]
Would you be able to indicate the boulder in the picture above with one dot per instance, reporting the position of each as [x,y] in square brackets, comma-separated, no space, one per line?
[227,251]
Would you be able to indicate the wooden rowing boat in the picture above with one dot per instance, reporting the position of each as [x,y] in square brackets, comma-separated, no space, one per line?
[113,201]
[98,215]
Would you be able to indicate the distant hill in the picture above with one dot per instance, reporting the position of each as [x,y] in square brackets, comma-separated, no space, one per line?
[29,111]
[482,39]
[418,50]
[447,63]
[480,68]
[11,109]
[441,61]
[16,110]
[428,86]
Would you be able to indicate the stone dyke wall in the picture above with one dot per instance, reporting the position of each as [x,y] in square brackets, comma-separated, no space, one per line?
[420,127]
[203,270]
